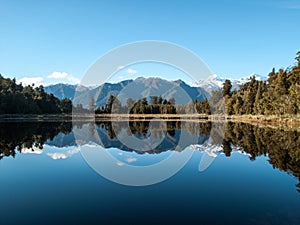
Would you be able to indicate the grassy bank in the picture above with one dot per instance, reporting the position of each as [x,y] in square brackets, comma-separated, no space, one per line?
[262,119]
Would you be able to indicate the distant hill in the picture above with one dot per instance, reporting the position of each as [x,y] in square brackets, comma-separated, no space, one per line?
[135,89]
[62,91]
[145,87]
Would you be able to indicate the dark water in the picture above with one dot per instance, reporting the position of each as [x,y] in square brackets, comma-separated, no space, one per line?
[236,174]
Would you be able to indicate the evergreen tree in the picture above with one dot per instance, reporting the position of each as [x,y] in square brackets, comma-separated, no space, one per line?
[227,88]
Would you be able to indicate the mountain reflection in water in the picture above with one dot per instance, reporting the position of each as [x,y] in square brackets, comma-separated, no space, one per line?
[281,146]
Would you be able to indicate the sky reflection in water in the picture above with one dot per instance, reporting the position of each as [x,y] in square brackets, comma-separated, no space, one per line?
[56,185]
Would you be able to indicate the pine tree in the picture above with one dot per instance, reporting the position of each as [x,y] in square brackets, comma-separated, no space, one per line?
[227,88]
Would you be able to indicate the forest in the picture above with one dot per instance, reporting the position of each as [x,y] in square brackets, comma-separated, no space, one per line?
[16,99]
[157,105]
[279,95]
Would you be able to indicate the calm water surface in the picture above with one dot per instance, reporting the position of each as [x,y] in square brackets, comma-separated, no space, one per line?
[244,175]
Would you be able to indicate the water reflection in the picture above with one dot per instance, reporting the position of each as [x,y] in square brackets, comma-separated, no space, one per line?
[162,136]
[281,146]
[28,136]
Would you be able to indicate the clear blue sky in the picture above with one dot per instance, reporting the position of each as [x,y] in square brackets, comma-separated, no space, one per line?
[234,37]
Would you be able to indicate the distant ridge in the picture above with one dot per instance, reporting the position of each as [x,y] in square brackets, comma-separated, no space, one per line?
[135,89]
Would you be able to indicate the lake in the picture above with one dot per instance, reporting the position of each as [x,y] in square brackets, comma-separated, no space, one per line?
[149,172]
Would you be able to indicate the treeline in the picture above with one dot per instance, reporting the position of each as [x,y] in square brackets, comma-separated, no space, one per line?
[16,99]
[158,105]
[279,95]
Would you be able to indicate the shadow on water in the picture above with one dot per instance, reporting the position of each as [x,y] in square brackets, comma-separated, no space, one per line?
[281,146]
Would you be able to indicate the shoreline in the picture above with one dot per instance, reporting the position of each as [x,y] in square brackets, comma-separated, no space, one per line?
[253,119]
[272,119]
[267,120]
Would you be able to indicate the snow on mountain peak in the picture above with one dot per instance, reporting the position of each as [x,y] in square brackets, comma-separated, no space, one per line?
[215,82]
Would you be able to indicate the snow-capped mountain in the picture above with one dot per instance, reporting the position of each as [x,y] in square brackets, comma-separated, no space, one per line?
[215,82]
[146,87]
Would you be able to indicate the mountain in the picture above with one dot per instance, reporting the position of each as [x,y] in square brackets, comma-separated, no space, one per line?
[145,87]
[62,91]
[215,82]
[135,89]
[100,93]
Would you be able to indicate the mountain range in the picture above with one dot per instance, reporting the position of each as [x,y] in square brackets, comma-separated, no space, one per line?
[144,87]
[215,82]
[135,89]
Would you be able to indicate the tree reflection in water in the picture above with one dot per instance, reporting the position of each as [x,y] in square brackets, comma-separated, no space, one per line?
[281,146]
[15,136]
